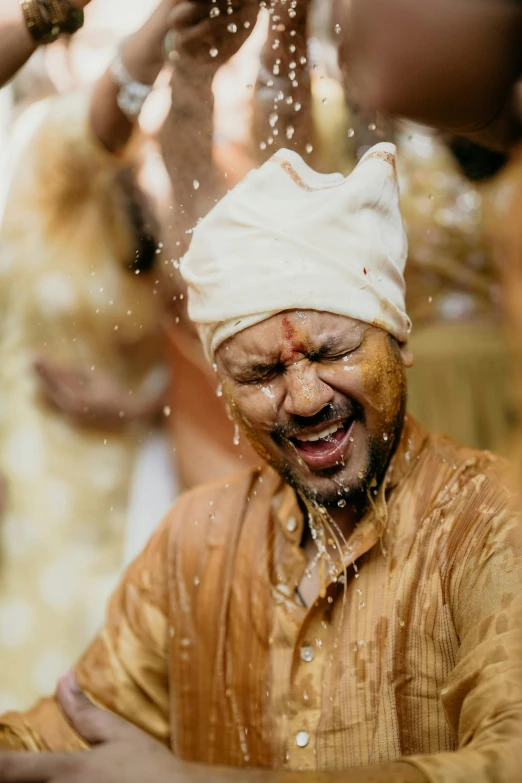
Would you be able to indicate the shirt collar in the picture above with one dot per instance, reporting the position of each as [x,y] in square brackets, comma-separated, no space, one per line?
[290,520]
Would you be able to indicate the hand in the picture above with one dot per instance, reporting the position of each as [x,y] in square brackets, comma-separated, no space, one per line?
[121,752]
[205,35]
[93,398]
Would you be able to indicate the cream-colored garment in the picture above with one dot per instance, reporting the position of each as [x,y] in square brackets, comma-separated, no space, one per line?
[64,292]
[289,238]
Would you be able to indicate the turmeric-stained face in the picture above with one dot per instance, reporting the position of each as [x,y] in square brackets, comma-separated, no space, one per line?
[320,396]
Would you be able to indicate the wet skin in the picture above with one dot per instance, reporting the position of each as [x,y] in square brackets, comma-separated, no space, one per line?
[300,372]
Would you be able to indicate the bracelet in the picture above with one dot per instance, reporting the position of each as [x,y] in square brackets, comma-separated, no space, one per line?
[47,20]
[132,94]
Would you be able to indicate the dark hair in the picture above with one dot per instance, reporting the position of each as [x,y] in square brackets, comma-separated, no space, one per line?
[477,163]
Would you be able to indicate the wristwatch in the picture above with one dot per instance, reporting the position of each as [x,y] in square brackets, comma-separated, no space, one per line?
[132,94]
[47,20]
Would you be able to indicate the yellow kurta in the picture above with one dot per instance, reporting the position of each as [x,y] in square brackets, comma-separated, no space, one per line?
[416,653]
[64,293]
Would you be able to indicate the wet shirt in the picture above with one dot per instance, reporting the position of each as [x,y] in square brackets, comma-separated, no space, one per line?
[412,650]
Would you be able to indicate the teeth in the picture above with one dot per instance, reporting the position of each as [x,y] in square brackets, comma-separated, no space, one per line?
[323,434]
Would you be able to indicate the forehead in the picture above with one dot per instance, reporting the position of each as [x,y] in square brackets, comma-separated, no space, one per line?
[295,329]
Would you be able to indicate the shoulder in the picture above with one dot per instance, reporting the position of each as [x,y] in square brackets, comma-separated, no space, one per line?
[470,497]
[210,512]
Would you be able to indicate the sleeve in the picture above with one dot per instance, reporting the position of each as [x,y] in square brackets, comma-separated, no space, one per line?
[483,695]
[125,668]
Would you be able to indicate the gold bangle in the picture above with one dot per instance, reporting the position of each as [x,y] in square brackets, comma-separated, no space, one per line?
[46,20]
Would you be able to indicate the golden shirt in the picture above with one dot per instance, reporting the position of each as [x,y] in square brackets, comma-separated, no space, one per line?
[416,653]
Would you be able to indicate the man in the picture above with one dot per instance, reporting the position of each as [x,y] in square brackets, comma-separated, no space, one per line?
[351,609]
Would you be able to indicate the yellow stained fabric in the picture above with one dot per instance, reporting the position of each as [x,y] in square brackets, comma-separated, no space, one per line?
[417,655]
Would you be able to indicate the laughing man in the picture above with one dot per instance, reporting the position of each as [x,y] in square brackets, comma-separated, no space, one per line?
[348,611]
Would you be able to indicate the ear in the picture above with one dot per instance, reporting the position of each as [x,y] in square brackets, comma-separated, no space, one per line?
[407,356]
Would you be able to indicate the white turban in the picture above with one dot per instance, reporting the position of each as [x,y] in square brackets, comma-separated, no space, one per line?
[289,238]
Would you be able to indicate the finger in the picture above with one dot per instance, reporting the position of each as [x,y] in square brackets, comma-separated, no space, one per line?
[92,723]
[18,767]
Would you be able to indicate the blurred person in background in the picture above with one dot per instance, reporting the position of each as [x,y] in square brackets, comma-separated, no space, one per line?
[80,381]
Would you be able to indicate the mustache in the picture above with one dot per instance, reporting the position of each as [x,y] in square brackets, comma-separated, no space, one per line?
[351,410]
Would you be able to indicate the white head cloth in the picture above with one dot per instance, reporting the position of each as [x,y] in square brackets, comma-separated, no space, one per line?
[289,238]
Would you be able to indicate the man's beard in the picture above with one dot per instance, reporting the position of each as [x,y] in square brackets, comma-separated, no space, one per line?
[380,452]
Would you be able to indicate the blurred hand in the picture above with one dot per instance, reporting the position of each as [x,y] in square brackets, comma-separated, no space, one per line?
[121,752]
[93,398]
[206,35]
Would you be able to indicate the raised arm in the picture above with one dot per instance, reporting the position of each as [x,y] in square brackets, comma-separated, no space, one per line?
[17,44]
[282,115]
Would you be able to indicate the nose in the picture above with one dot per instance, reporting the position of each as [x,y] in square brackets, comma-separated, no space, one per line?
[306,394]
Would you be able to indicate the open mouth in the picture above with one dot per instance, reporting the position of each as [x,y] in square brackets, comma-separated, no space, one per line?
[326,446]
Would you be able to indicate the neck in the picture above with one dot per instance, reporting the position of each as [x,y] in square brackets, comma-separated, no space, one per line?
[346,519]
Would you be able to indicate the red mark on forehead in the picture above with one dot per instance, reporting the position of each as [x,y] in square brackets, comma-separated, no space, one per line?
[296,344]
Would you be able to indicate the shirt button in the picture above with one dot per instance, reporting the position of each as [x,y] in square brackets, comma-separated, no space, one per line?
[291,525]
[302,738]
[307,654]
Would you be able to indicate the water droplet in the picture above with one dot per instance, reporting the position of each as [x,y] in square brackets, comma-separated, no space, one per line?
[372,126]
[262,146]
[385,437]
[302,60]
[292,13]
[214,12]
[197,581]
[273,119]
[232,28]
[297,107]
[246,25]
[230,10]
[219,390]
[337,29]
[213,52]
[167,411]
[236,435]
[309,148]
[342,503]
[289,132]
[351,133]
[195,184]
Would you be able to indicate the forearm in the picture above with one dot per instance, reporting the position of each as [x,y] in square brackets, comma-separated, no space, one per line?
[16,44]
[282,98]
[186,142]
[142,56]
